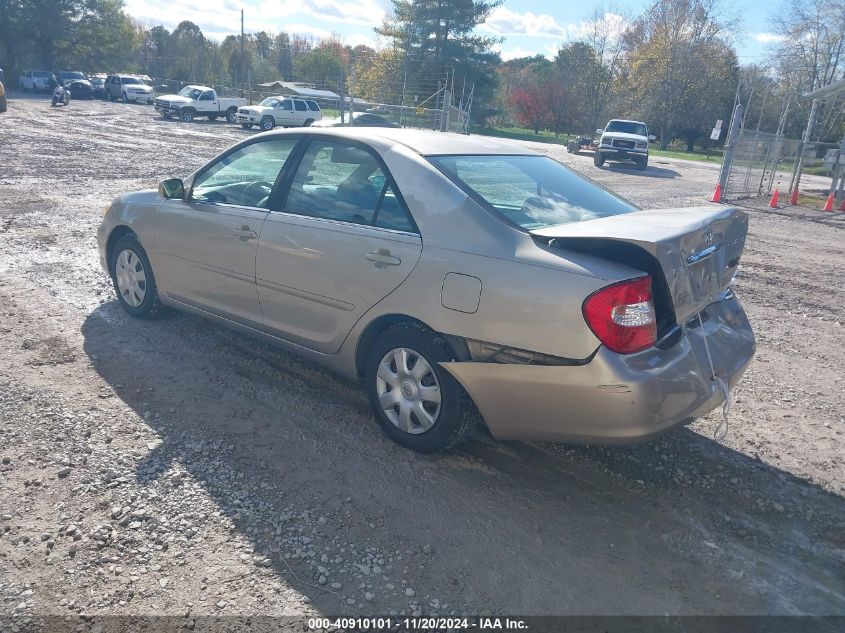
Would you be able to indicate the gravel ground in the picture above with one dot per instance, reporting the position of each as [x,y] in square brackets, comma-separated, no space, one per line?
[178,468]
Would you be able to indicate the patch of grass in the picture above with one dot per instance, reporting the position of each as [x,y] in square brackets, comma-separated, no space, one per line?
[713,156]
[521,134]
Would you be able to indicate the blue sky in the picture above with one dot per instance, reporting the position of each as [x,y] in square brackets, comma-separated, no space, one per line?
[527,26]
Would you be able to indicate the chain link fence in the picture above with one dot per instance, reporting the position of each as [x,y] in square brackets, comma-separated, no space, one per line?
[440,110]
[762,161]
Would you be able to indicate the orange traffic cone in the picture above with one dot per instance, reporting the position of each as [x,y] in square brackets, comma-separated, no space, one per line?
[793,199]
[773,203]
[717,195]
[828,206]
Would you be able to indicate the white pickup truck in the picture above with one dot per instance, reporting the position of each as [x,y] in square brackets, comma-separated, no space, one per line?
[623,140]
[194,101]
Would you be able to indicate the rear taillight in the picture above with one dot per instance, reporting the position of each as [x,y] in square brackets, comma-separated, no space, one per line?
[622,315]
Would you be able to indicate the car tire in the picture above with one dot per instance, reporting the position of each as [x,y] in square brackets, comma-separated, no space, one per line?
[133,279]
[212,117]
[231,116]
[642,164]
[432,425]
[125,97]
[598,159]
[267,123]
[309,122]
[186,116]
[246,126]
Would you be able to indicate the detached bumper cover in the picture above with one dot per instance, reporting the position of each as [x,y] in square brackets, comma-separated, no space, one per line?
[614,399]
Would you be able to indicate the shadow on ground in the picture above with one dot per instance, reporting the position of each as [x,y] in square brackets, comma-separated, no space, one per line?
[682,525]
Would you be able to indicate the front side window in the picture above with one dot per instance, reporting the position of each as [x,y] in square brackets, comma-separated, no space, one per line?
[206,96]
[533,192]
[344,182]
[286,104]
[244,177]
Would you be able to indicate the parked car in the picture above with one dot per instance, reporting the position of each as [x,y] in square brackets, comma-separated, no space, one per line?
[443,270]
[194,101]
[2,92]
[80,89]
[66,76]
[98,83]
[359,119]
[36,81]
[623,141]
[281,111]
[129,88]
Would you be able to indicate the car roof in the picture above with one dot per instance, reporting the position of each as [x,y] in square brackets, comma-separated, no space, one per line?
[425,142]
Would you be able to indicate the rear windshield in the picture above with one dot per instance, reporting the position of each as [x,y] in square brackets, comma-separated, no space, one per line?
[533,192]
[627,127]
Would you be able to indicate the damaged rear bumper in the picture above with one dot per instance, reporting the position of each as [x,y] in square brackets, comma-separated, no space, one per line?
[614,399]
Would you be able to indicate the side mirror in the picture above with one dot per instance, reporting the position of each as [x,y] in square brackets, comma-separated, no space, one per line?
[599,131]
[652,137]
[172,189]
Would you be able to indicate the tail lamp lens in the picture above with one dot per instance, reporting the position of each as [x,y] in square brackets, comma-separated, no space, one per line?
[622,315]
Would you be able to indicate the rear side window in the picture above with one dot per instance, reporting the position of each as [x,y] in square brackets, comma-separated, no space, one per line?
[313,106]
[300,106]
[532,192]
[336,181]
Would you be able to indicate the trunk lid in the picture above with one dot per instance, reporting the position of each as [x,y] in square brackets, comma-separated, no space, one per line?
[697,249]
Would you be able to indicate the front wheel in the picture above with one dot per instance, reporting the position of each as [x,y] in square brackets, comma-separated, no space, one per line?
[267,123]
[598,159]
[231,116]
[417,403]
[187,116]
[133,280]
[642,164]
[54,101]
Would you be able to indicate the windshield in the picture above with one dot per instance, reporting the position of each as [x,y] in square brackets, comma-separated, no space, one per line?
[190,92]
[627,127]
[533,192]
[131,80]
[72,75]
[270,102]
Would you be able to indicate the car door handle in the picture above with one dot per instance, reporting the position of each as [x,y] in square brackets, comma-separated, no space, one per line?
[382,258]
[245,233]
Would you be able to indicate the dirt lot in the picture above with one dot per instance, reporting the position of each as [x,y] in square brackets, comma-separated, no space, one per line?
[175,467]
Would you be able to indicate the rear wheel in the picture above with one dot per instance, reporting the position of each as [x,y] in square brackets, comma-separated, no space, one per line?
[308,122]
[133,280]
[267,123]
[598,159]
[417,403]
[246,126]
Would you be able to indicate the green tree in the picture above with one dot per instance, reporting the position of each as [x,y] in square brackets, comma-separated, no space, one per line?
[668,50]
[437,37]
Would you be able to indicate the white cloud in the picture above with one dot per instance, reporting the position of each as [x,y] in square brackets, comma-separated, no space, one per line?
[267,15]
[515,53]
[769,38]
[503,21]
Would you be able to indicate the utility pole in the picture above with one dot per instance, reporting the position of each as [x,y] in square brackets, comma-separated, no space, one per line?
[342,104]
[241,65]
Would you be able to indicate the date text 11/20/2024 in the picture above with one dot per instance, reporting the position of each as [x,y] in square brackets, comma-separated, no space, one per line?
[417,624]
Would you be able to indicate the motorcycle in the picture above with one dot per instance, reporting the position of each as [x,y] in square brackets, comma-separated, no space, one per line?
[61,95]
